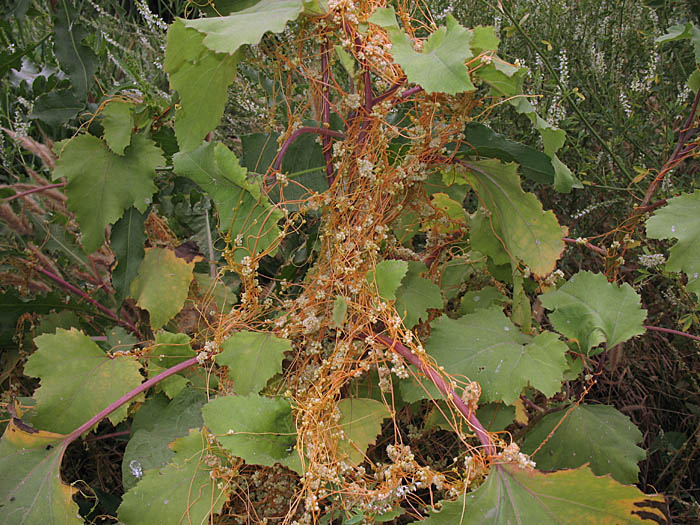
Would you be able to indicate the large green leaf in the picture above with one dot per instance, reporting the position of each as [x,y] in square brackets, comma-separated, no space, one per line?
[78,379]
[416,294]
[573,497]
[595,434]
[102,185]
[483,141]
[679,219]
[244,210]
[227,34]
[526,231]
[258,429]
[439,67]
[387,276]
[158,423]
[56,107]
[162,284]
[590,310]
[75,57]
[201,78]
[117,122]
[486,347]
[31,489]
[127,239]
[170,349]
[183,491]
[361,422]
[687,31]
[252,358]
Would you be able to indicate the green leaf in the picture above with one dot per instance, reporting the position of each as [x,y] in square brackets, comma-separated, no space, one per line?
[482,299]
[575,497]
[227,34]
[679,220]
[117,122]
[590,310]
[201,78]
[170,349]
[387,276]
[578,439]
[340,309]
[252,359]
[244,210]
[31,489]
[258,429]
[486,347]
[75,57]
[56,107]
[183,491]
[484,39]
[439,68]
[384,17]
[127,240]
[483,141]
[416,294]
[687,31]
[102,185]
[526,231]
[361,422]
[158,423]
[162,284]
[96,380]
[483,240]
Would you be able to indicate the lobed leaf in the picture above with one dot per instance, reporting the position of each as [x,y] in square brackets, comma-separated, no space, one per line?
[590,310]
[597,435]
[361,422]
[117,122]
[96,380]
[416,295]
[387,276]
[127,240]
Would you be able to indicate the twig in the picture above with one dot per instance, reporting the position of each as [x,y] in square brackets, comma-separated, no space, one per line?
[68,286]
[33,190]
[321,131]
[671,331]
[588,245]
[445,389]
[326,111]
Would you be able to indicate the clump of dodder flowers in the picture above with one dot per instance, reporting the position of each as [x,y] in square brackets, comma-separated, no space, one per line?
[652,260]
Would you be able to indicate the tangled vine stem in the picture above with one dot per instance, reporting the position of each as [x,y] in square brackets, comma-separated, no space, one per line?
[306,129]
[445,389]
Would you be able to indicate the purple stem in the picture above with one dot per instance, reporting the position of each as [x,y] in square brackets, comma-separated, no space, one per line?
[411,91]
[68,286]
[446,390]
[34,190]
[128,397]
[674,332]
[321,131]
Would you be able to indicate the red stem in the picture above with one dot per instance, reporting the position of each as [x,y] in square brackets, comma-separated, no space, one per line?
[411,91]
[321,131]
[128,397]
[34,190]
[588,245]
[671,331]
[446,390]
[110,435]
[68,286]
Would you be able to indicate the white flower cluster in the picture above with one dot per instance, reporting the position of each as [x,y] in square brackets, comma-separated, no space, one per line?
[512,454]
[652,260]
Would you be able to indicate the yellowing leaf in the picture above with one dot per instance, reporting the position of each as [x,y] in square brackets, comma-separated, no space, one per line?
[78,379]
[162,284]
[31,489]
[102,185]
[526,231]
[575,497]
[360,421]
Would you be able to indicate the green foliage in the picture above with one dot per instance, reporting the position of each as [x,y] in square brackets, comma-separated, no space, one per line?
[590,310]
[416,295]
[510,494]
[117,122]
[162,284]
[102,185]
[361,422]
[252,358]
[181,490]
[127,242]
[679,220]
[62,406]
[387,277]
[576,441]
[487,347]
